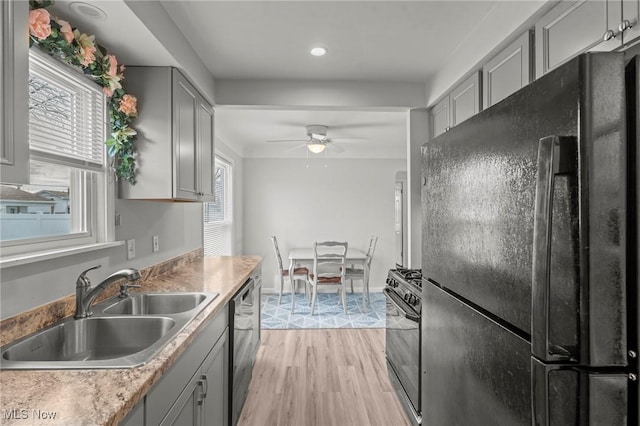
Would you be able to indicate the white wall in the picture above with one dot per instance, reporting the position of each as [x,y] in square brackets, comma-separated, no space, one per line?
[228,152]
[178,225]
[347,200]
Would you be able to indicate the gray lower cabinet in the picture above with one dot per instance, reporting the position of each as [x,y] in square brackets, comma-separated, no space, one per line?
[463,102]
[193,391]
[204,400]
[175,141]
[14,93]
[508,71]
[135,417]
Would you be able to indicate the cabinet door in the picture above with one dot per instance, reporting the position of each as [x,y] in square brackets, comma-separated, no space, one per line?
[574,27]
[185,184]
[631,13]
[14,94]
[465,100]
[206,153]
[215,375]
[508,71]
[185,411]
[135,417]
[440,117]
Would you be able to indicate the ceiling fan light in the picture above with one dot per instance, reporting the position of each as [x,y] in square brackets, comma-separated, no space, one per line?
[319,51]
[316,147]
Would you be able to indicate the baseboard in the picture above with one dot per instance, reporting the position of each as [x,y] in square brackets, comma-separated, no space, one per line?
[356,289]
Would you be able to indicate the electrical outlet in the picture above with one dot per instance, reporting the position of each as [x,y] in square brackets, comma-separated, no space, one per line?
[131,249]
[156,243]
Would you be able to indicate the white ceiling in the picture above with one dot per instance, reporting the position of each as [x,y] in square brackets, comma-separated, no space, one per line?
[432,43]
[367,40]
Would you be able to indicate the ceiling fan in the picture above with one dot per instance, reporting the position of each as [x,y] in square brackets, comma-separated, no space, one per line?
[317,139]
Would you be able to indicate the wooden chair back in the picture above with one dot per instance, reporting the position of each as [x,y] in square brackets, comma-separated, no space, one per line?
[277,250]
[329,262]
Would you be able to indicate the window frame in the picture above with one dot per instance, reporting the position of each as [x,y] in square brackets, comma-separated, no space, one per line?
[98,207]
[228,205]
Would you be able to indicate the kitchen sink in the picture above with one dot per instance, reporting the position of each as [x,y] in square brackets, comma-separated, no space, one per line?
[156,303]
[122,333]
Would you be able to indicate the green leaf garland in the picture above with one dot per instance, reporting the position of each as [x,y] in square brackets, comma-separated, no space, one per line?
[57,38]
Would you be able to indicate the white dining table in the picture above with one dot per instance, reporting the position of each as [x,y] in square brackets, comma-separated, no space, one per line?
[300,255]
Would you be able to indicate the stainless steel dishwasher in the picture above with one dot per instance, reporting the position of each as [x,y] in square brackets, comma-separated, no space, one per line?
[244,342]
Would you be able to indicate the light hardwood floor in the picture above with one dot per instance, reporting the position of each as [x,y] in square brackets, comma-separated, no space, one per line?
[320,378]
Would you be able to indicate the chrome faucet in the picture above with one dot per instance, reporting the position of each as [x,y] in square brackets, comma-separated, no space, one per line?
[85,295]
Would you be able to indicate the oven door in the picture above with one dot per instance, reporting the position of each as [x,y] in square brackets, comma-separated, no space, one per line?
[403,351]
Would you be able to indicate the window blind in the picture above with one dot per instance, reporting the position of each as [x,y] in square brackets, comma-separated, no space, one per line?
[218,223]
[67,115]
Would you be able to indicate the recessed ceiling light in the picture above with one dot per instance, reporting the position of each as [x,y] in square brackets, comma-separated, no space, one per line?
[88,10]
[319,51]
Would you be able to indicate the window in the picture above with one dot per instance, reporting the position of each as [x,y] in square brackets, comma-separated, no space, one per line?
[218,219]
[65,201]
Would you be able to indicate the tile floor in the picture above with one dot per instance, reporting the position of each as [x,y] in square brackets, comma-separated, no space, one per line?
[328,312]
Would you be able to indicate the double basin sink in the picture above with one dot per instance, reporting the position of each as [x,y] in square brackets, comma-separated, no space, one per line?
[122,333]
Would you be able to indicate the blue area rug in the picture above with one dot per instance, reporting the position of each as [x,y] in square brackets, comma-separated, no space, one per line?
[328,312]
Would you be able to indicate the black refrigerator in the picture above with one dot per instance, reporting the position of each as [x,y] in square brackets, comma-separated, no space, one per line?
[530,255]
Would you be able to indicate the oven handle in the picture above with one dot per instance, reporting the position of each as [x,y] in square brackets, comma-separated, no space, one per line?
[405,310]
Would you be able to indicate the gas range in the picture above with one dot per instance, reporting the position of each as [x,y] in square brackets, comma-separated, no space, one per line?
[404,338]
[407,283]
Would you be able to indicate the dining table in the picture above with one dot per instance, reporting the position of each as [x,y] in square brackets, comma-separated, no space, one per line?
[304,255]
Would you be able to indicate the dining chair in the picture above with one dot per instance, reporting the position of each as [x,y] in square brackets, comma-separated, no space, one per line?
[363,273]
[299,273]
[329,269]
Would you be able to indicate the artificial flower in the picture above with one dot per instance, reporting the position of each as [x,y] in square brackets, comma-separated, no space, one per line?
[123,134]
[113,66]
[65,30]
[39,23]
[128,105]
[87,48]
[82,50]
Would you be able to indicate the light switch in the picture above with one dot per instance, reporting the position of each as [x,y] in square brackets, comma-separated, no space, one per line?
[131,249]
[156,243]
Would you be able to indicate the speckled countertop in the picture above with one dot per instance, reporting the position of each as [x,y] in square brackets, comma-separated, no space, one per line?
[105,397]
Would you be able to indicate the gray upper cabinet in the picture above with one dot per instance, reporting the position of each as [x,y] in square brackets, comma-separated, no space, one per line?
[461,103]
[206,147]
[440,117]
[14,70]
[465,99]
[175,137]
[574,27]
[629,24]
[508,71]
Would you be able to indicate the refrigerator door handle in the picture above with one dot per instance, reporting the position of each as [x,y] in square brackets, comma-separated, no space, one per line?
[556,155]
[566,394]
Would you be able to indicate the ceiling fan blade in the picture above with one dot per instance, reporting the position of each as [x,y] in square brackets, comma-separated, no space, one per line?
[295,148]
[337,127]
[348,139]
[289,140]
[336,148]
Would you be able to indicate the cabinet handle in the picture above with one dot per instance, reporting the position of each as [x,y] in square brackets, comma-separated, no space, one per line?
[204,384]
[624,25]
[205,381]
[608,35]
